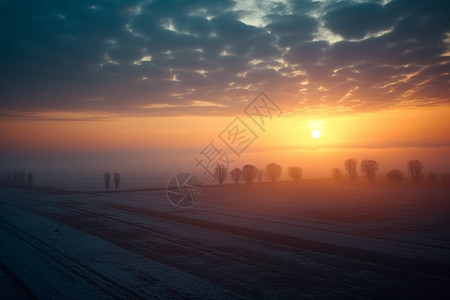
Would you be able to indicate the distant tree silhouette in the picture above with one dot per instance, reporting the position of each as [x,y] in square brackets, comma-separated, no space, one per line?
[116,180]
[107,179]
[350,167]
[369,168]
[415,168]
[432,177]
[259,174]
[295,173]
[395,176]
[15,178]
[8,178]
[30,179]
[220,173]
[21,177]
[337,173]
[273,171]
[249,173]
[236,175]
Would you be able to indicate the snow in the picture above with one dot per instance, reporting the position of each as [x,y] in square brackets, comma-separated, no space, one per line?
[59,262]
[315,239]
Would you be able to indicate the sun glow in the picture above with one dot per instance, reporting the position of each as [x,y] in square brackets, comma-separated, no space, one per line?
[316,134]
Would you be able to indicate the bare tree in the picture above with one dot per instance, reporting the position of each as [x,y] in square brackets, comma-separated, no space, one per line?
[107,179]
[273,171]
[295,173]
[395,176]
[8,178]
[30,179]
[415,168]
[21,177]
[369,168]
[337,173]
[15,178]
[432,177]
[259,174]
[350,167]
[236,175]
[116,180]
[220,173]
[249,173]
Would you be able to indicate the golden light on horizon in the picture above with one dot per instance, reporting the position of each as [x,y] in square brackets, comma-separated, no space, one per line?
[316,134]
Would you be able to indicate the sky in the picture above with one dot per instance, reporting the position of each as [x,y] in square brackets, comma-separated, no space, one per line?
[149,84]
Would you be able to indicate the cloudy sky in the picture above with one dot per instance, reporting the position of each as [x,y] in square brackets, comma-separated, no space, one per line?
[197,57]
[99,61]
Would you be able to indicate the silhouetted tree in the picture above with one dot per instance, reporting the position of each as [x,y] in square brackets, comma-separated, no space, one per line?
[236,175]
[259,174]
[21,177]
[249,173]
[30,179]
[337,173]
[415,168]
[295,173]
[8,178]
[116,180]
[220,173]
[432,178]
[369,168]
[107,179]
[273,171]
[15,178]
[350,167]
[395,176]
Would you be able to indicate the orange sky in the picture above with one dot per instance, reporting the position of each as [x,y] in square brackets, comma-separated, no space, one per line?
[427,126]
[388,136]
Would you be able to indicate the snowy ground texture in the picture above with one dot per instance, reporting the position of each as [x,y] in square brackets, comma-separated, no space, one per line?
[316,239]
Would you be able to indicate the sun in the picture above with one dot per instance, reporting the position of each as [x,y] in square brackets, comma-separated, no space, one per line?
[316,134]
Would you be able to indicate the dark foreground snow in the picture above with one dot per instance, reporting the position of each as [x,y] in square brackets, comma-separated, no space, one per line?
[270,241]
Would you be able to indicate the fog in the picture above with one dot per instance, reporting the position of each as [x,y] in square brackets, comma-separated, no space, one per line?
[163,163]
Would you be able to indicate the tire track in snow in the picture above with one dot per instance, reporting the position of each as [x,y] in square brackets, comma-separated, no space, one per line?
[71,268]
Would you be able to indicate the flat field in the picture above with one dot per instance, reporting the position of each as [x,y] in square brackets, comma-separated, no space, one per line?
[314,239]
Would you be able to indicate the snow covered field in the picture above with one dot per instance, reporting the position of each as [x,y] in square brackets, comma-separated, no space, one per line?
[316,239]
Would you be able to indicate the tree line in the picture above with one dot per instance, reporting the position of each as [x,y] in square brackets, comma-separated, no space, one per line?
[250,173]
[368,168]
[20,178]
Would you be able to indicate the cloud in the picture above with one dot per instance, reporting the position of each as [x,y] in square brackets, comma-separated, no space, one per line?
[356,20]
[292,29]
[134,54]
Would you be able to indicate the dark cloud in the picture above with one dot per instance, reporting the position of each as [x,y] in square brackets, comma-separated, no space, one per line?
[304,6]
[121,56]
[307,53]
[292,29]
[356,20]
